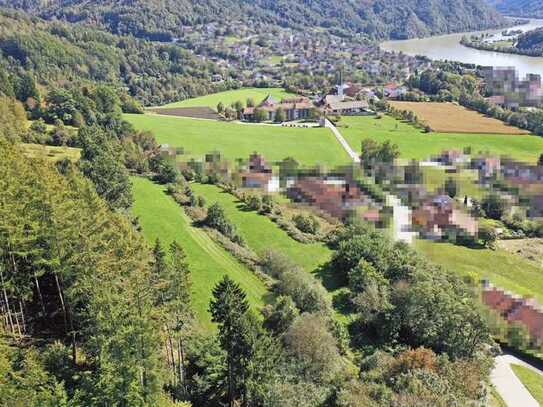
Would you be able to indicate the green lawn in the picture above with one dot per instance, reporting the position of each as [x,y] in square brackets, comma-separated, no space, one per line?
[466,181]
[230,96]
[532,380]
[416,144]
[261,233]
[161,217]
[234,140]
[503,269]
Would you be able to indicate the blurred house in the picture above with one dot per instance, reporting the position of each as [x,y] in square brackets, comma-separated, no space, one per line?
[259,175]
[515,309]
[438,218]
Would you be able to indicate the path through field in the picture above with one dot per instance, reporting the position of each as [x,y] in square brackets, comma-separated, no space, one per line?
[508,385]
[401,213]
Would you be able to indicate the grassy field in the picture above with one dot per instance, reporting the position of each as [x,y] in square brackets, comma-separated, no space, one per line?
[416,144]
[532,380]
[261,233]
[451,118]
[466,181]
[503,269]
[230,96]
[161,217]
[51,153]
[234,140]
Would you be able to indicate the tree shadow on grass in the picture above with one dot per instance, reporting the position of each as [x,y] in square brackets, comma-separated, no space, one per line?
[330,279]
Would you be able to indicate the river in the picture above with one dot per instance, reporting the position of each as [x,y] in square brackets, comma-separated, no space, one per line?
[448,47]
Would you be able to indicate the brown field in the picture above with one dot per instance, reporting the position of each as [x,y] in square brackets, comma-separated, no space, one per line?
[199,112]
[451,118]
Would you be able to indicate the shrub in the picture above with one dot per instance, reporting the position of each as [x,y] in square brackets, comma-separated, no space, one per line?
[306,224]
[216,219]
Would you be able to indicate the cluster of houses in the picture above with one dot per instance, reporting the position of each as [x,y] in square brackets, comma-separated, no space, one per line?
[348,99]
[508,90]
[515,309]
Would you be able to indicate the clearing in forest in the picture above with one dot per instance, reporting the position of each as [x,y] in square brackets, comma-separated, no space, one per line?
[452,118]
[160,217]
[51,153]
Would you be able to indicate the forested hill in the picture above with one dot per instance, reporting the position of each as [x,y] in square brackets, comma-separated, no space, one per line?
[164,19]
[531,41]
[519,8]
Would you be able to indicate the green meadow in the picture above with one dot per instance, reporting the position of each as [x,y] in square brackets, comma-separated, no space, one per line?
[234,140]
[501,268]
[532,380]
[160,217]
[416,144]
[261,233]
[231,96]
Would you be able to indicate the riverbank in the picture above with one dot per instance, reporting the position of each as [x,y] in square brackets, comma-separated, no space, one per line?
[498,48]
[448,47]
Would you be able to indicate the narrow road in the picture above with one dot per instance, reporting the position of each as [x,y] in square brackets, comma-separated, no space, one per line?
[342,141]
[508,385]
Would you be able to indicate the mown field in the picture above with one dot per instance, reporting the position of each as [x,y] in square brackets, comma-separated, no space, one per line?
[532,380]
[503,269]
[466,181]
[160,217]
[234,140]
[261,233]
[414,143]
[51,153]
[230,96]
[452,118]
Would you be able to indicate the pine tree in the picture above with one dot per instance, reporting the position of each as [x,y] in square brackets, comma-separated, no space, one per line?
[229,309]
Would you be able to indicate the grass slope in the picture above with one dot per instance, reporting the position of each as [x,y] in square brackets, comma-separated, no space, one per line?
[51,153]
[416,144]
[503,269]
[160,217]
[234,140]
[261,233]
[230,96]
[532,380]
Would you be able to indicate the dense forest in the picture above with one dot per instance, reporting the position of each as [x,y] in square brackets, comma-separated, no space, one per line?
[164,20]
[61,54]
[519,8]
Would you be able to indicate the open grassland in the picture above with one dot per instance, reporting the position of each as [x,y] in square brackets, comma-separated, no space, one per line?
[501,268]
[51,153]
[452,118]
[231,96]
[466,181]
[416,144]
[261,233]
[532,380]
[160,217]
[235,140]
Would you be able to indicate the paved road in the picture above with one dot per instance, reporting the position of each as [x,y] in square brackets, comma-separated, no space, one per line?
[508,385]
[342,141]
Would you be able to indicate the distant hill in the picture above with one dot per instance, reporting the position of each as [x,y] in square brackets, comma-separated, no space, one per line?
[162,19]
[519,8]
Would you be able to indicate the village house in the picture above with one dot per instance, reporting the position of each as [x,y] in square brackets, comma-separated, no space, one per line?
[394,91]
[335,196]
[296,108]
[515,309]
[437,218]
[259,175]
